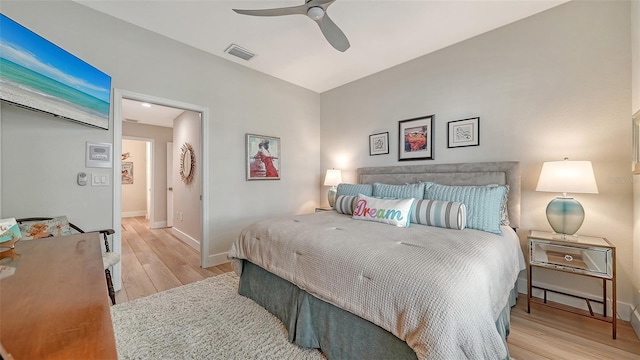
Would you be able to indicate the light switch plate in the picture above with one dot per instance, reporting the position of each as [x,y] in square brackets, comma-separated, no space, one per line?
[100,180]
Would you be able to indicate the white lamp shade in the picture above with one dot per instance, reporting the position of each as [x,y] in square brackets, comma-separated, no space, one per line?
[567,177]
[333,177]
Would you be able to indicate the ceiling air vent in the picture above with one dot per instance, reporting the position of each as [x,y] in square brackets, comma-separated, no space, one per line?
[240,52]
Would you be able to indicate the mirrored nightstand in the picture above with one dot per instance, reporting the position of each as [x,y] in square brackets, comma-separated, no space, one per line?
[581,255]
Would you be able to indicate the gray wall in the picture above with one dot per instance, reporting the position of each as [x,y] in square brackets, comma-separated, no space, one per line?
[550,86]
[39,171]
[186,197]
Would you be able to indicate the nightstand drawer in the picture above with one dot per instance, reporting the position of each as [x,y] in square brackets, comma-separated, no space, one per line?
[593,261]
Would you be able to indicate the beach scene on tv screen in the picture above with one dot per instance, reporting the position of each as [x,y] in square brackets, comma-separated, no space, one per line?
[38,74]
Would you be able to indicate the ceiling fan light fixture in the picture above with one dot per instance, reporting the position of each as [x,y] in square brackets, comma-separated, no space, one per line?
[315,13]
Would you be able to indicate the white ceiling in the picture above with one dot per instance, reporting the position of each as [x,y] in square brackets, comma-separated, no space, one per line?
[382,33]
[158,115]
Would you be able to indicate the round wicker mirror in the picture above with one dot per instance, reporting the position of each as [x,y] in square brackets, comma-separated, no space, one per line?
[187,163]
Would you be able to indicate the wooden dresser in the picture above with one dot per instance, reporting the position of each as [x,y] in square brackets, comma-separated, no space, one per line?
[55,305]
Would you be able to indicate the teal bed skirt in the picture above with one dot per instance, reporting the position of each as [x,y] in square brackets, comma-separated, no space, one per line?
[339,334]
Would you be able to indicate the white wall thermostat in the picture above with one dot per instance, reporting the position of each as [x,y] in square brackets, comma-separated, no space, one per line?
[82,178]
[99,155]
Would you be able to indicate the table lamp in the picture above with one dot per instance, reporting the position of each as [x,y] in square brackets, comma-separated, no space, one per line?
[332,178]
[564,213]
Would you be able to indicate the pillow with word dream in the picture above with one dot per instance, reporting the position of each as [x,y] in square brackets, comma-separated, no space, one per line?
[395,212]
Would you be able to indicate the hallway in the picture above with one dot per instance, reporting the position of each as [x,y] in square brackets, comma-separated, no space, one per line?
[153,260]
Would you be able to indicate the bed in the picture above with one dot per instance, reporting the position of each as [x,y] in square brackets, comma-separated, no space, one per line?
[365,289]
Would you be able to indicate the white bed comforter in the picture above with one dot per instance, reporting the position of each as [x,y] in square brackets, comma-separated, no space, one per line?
[439,290]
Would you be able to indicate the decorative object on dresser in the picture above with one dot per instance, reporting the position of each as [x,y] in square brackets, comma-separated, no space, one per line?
[564,213]
[379,144]
[263,157]
[416,138]
[332,178]
[581,255]
[462,133]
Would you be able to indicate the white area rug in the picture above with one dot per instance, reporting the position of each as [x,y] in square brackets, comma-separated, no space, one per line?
[203,320]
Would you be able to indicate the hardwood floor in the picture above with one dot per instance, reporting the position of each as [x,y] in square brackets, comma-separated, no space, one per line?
[154,260]
[548,333]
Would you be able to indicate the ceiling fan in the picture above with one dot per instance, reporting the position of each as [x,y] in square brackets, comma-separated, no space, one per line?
[316,10]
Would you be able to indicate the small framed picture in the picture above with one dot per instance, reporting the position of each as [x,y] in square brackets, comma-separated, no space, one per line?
[263,157]
[379,144]
[464,132]
[127,172]
[416,138]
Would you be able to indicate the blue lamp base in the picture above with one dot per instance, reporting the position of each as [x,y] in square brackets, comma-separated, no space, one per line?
[331,196]
[565,215]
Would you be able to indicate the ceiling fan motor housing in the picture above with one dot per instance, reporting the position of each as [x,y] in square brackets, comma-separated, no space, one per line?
[315,12]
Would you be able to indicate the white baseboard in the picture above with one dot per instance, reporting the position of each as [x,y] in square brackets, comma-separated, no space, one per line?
[635,322]
[158,225]
[216,259]
[623,310]
[186,238]
[134,214]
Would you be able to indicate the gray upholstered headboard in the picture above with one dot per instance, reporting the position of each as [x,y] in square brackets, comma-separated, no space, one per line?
[501,173]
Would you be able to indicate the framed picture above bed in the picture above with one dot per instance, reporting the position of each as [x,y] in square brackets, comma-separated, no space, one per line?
[379,144]
[461,133]
[416,138]
[262,157]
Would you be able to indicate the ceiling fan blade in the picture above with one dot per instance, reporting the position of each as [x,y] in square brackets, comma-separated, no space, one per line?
[333,34]
[294,10]
[324,3]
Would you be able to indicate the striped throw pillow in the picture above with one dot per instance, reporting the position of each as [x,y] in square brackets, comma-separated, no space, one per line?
[345,204]
[445,214]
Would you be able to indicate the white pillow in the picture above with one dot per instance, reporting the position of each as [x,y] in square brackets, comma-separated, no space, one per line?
[389,211]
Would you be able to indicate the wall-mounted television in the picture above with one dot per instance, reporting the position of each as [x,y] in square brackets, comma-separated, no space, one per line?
[37,74]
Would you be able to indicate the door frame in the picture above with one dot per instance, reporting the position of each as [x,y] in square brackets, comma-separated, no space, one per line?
[118,95]
[169,186]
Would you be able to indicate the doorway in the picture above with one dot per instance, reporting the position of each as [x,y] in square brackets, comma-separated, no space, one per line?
[160,207]
[137,177]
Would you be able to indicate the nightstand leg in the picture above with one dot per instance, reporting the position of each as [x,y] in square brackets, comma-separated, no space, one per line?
[529,289]
[604,297]
[615,306]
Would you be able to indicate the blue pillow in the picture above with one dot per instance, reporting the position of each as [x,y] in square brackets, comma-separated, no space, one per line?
[407,191]
[483,203]
[445,214]
[354,189]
